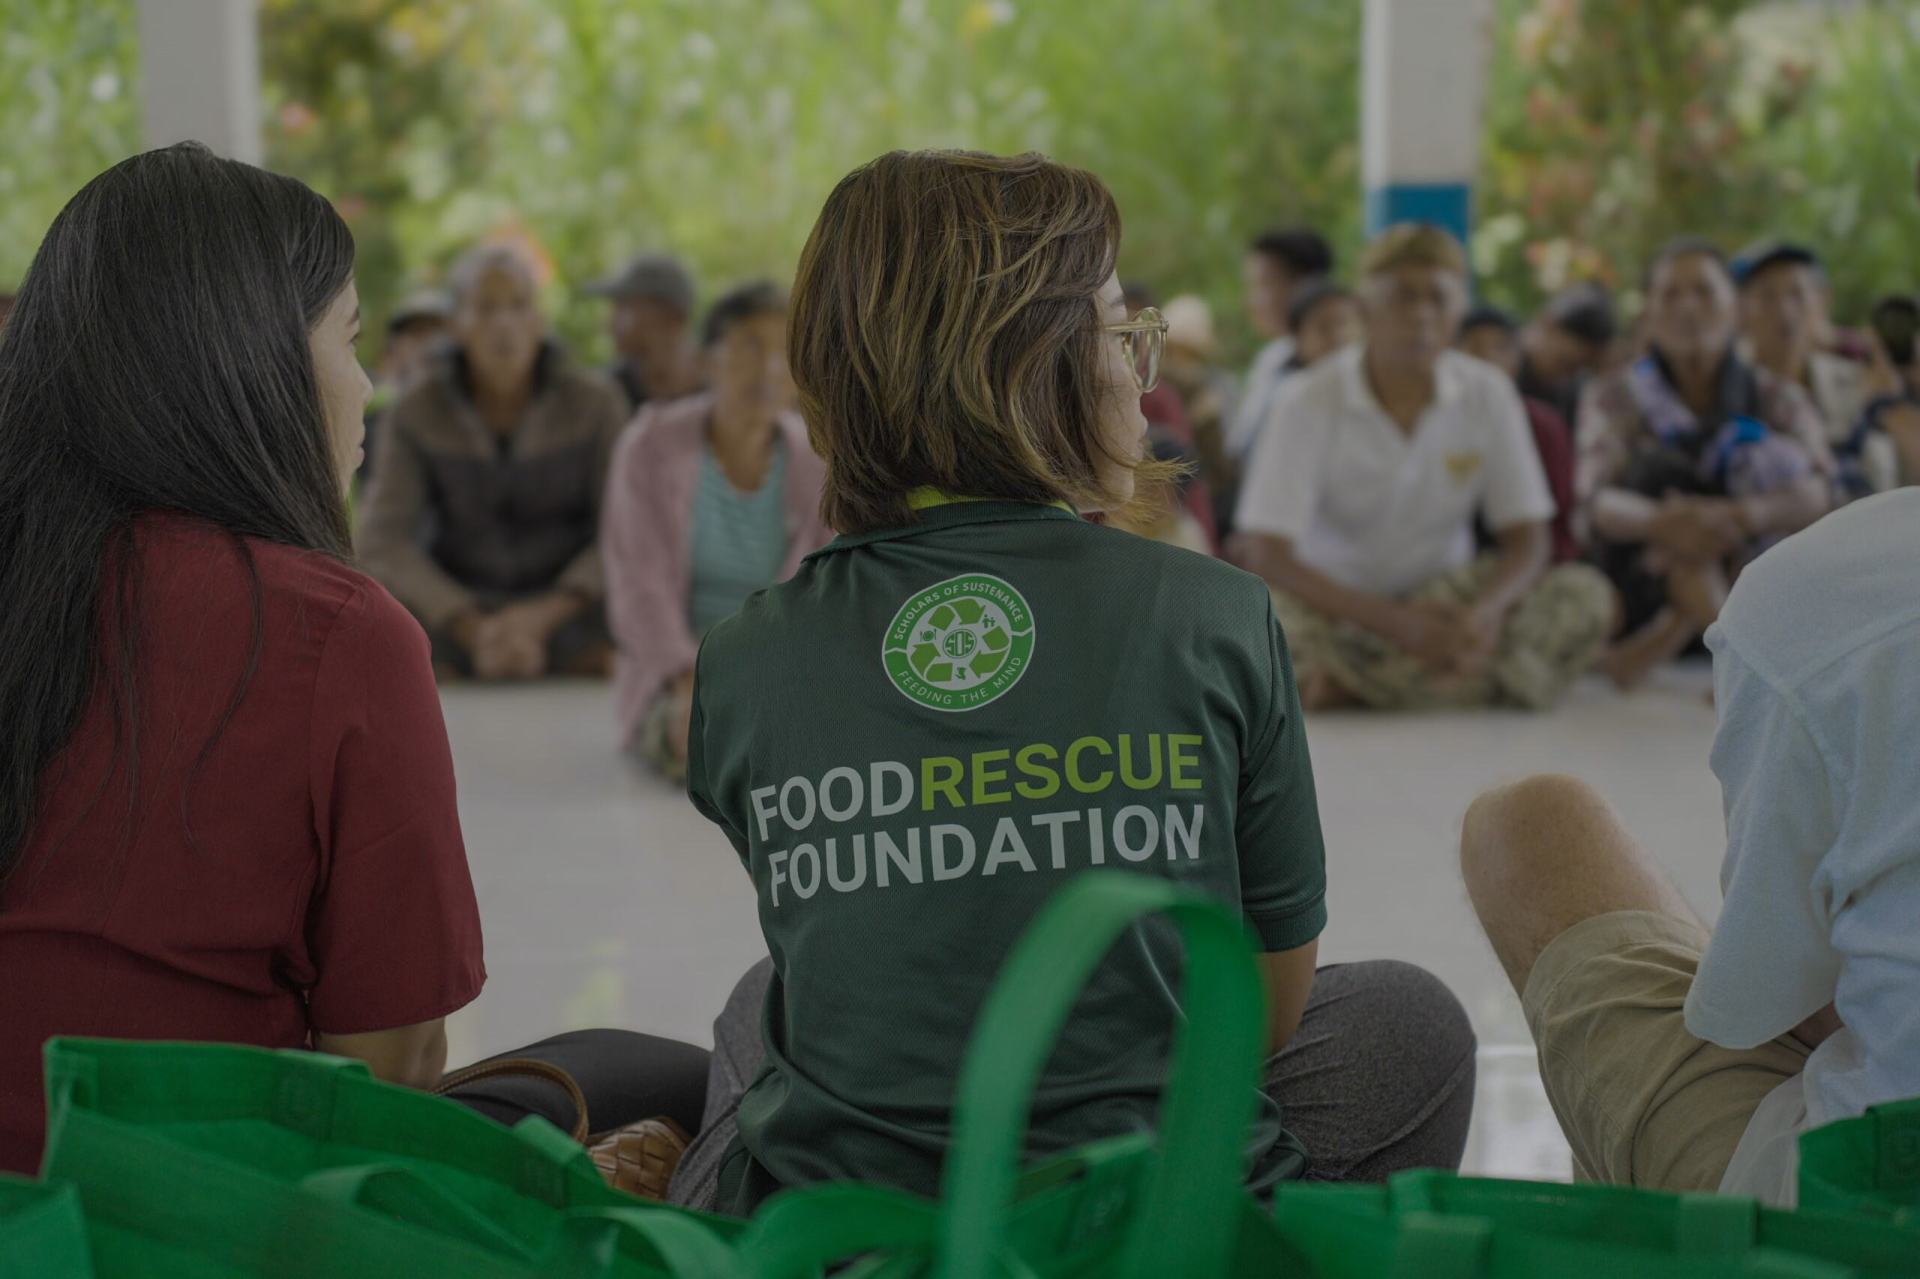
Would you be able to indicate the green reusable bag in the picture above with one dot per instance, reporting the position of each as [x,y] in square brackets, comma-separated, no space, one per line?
[1438,1225]
[1133,1206]
[42,1235]
[1869,1165]
[233,1161]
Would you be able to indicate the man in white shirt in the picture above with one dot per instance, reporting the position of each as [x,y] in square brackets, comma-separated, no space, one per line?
[1358,508]
[1278,265]
[1681,1061]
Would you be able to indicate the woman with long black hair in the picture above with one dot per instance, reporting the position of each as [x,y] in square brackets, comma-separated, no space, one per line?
[226,798]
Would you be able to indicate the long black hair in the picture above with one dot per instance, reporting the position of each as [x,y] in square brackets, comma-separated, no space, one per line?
[157,358]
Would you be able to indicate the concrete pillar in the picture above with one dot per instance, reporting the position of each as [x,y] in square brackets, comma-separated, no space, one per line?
[200,74]
[1423,75]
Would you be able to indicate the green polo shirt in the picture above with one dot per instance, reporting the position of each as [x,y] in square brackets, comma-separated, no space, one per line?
[922,736]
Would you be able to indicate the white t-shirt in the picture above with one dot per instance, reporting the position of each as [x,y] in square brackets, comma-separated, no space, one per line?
[1377,509]
[1817,676]
[1251,415]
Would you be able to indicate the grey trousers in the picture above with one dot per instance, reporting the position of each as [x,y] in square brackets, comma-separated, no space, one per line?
[1378,1078]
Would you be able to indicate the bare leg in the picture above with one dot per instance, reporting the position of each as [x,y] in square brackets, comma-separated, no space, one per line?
[1541,855]
[1642,1102]
[1631,660]
[1699,592]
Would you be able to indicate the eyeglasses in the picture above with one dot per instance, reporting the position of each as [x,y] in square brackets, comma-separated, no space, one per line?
[1143,338]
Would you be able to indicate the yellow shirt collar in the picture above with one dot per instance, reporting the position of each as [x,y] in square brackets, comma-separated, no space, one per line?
[927,496]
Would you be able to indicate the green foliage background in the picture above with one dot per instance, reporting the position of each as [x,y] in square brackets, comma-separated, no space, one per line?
[591,129]
[68,109]
[1614,125]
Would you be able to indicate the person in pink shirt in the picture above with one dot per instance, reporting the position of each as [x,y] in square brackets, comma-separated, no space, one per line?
[710,498]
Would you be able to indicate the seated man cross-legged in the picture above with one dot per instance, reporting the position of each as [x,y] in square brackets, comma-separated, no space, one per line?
[483,517]
[1691,462]
[1358,510]
[1679,1059]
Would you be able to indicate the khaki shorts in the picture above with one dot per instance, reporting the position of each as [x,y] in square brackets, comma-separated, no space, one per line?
[1642,1102]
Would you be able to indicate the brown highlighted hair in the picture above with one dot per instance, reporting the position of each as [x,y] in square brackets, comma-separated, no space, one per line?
[945,333]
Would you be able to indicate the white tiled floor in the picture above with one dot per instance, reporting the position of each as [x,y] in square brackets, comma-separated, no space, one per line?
[609,901]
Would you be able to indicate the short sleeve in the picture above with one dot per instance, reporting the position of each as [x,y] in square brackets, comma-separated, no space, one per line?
[1281,492]
[393,929]
[1517,491]
[1770,964]
[1283,860]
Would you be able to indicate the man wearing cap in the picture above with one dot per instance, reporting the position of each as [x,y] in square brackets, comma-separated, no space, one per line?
[1784,320]
[652,327]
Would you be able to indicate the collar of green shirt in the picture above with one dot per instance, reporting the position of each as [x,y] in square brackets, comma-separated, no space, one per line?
[938,509]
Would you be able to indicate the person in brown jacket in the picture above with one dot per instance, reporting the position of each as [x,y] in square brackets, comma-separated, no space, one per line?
[484,514]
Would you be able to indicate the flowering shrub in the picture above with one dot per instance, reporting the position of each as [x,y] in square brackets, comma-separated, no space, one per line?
[589,129]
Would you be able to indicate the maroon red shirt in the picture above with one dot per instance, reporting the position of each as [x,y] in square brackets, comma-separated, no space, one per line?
[1555,442]
[316,880]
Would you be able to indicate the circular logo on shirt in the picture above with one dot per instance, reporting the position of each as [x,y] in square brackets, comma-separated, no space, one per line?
[959,644]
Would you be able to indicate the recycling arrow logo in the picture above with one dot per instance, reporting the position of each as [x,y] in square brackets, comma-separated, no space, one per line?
[959,644]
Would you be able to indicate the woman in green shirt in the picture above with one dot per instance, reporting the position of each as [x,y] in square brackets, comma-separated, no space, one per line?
[973,695]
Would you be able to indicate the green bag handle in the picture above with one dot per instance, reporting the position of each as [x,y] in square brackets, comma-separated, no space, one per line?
[403,1194]
[798,1233]
[1706,1225]
[548,1158]
[586,1246]
[325,1098]
[680,1244]
[314,1094]
[1186,1224]
[331,1099]
[1439,1242]
[244,1218]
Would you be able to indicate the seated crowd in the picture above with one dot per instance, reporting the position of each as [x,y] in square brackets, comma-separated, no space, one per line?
[1453,506]
[850,553]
